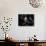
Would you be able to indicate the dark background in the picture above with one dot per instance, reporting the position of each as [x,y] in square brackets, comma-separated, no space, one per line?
[28,22]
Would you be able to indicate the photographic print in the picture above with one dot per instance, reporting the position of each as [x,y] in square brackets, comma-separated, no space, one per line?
[26,19]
